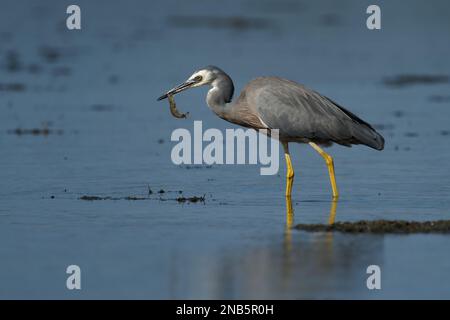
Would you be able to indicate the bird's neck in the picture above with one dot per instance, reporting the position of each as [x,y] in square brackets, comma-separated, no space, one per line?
[220,95]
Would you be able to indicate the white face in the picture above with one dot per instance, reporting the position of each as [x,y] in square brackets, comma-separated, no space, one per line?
[207,77]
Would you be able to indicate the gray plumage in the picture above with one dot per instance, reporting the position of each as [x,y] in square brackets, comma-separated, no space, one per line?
[300,114]
[304,115]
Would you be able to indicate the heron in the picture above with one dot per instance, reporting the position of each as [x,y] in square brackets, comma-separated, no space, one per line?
[301,115]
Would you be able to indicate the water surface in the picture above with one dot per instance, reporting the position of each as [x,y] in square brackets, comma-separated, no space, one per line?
[97,89]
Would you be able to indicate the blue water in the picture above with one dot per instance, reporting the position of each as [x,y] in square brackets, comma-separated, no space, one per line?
[236,244]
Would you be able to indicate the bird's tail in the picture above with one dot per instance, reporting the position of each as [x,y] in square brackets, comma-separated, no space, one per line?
[367,135]
[362,132]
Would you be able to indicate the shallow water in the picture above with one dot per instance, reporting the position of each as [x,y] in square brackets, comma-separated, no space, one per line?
[107,128]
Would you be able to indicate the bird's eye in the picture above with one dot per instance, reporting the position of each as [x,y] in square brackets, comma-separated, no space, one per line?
[198,78]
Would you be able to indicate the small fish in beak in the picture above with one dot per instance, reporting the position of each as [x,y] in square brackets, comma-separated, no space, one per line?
[173,108]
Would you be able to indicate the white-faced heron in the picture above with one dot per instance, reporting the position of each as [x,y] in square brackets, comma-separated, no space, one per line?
[300,114]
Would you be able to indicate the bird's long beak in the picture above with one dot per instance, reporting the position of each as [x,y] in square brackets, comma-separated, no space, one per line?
[177,89]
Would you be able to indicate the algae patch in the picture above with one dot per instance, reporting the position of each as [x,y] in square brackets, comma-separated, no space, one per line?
[381,226]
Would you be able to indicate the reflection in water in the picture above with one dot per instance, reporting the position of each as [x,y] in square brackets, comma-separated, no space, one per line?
[326,244]
[290,221]
[289,224]
[299,265]
[302,265]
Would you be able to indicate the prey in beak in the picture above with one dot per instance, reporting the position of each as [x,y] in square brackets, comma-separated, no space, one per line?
[181,87]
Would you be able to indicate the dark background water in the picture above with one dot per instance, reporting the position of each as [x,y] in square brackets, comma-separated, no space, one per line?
[96,90]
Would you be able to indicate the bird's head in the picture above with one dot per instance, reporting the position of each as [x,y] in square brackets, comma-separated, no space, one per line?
[199,78]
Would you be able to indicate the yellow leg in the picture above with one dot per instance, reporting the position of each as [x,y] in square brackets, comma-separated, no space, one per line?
[289,224]
[332,216]
[289,213]
[330,165]
[289,170]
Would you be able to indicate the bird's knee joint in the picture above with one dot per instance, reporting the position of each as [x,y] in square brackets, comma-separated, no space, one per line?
[290,173]
[329,160]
